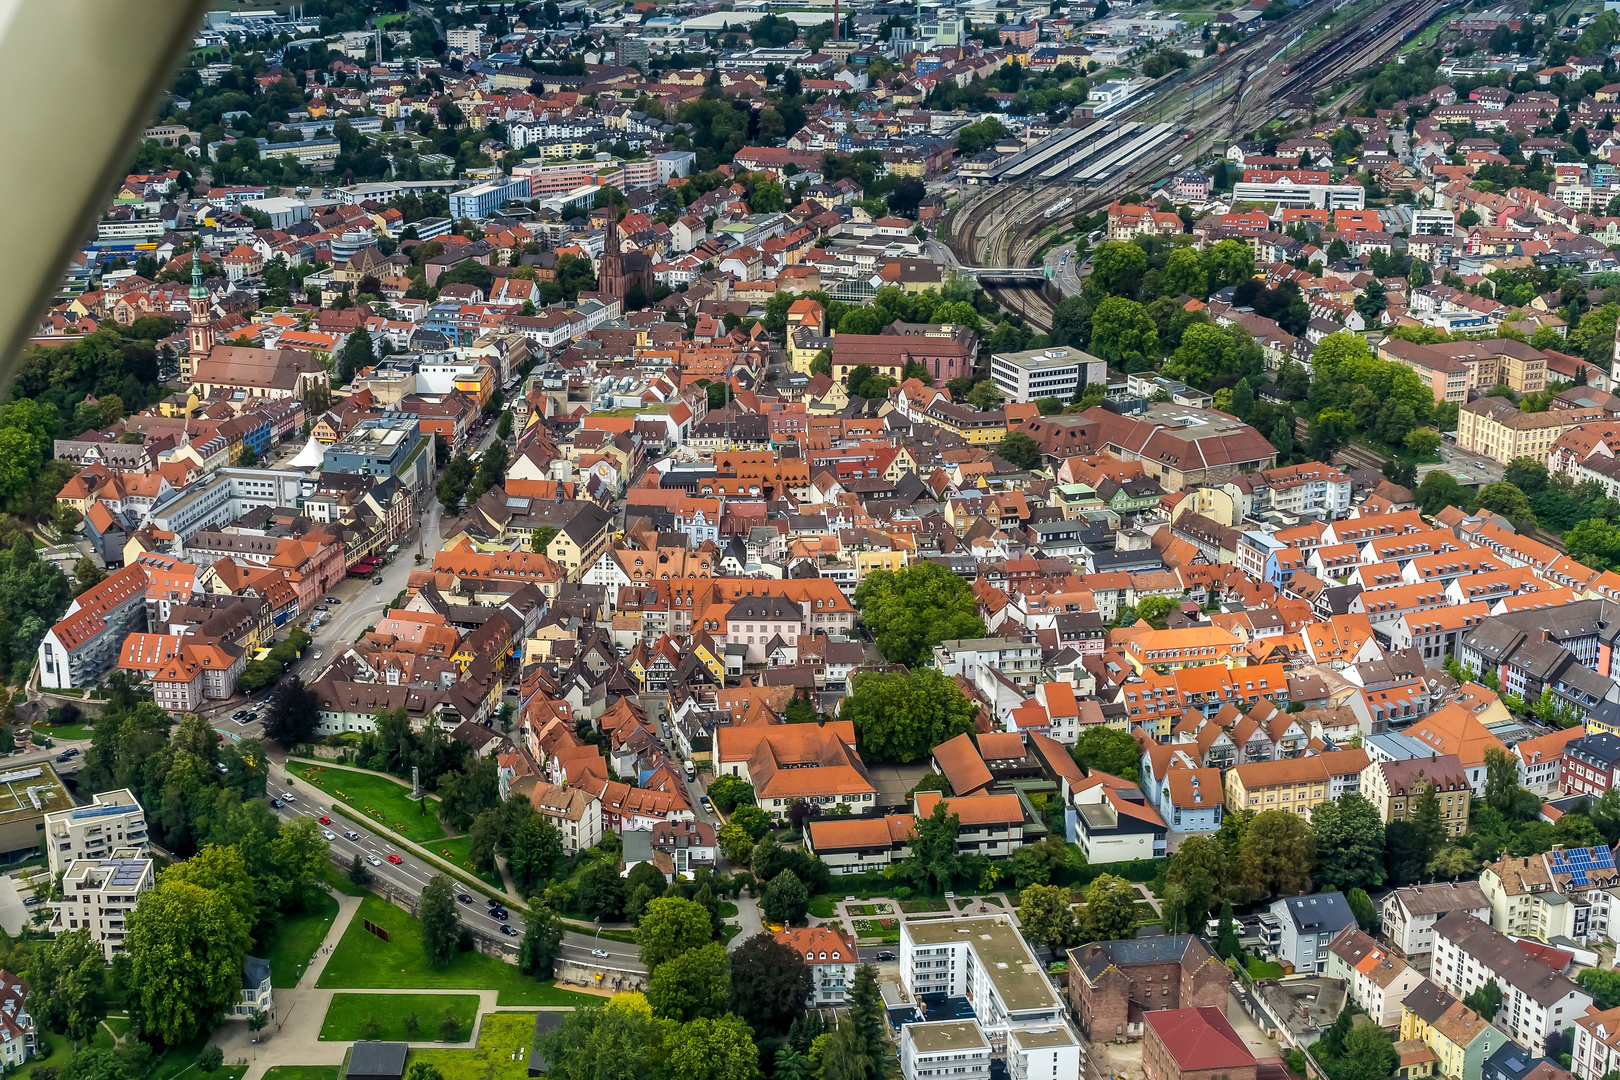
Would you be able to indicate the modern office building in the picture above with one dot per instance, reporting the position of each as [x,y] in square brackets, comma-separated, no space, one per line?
[112,820]
[986,961]
[482,200]
[99,894]
[1059,372]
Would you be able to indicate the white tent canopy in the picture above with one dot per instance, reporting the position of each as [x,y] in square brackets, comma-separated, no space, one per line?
[312,456]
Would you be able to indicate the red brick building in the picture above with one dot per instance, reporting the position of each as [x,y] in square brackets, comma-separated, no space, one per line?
[1194,1044]
[1114,984]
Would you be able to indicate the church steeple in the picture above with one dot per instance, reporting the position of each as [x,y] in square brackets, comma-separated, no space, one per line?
[201,328]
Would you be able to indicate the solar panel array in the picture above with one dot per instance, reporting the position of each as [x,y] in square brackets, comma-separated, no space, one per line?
[1577,862]
[128,875]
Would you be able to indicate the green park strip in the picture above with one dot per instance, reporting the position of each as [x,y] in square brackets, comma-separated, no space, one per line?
[374,799]
[296,939]
[504,1044]
[363,961]
[302,1072]
[458,852]
[400,1017]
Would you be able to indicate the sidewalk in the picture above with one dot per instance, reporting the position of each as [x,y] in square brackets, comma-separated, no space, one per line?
[293,1038]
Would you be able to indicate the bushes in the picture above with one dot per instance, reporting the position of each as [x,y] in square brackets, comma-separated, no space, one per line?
[261,673]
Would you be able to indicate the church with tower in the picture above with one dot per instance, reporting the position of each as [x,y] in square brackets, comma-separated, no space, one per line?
[202,320]
[618,272]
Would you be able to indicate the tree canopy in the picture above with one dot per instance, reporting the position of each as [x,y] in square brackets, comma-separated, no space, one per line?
[910,611]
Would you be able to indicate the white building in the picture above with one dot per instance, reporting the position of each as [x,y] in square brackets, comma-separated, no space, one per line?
[99,894]
[829,953]
[1285,192]
[112,820]
[949,1048]
[1042,1053]
[1407,915]
[18,1040]
[1536,1000]
[257,996]
[1058,372]
[986,961]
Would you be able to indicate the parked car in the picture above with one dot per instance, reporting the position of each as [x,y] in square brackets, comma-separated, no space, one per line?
[238,714]
[332,600]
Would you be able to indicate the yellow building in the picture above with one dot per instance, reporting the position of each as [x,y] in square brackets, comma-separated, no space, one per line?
[1500,430]
[868,561]
[1193,646]
[1396,788]
[1297,785]
[1460,1038]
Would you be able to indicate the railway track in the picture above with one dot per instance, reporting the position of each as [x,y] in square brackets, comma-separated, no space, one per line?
[1013,221]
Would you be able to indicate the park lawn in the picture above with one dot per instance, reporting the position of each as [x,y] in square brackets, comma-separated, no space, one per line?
[302,1072]
[821,906]
[500,1038]
[120,1025]
[296,939]
[728,931]
[1266,969]
[374,799]
[339,880]
[363,961]
[65,731]
[61,1055]
[458,852]
[728,910]
[347,1015]
[886,929]
[183,1059]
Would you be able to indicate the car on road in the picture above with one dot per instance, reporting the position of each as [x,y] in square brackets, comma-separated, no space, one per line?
[276,803]
[73,751]
[704,799]
[329,834]
[396,860]
[511,689]
[603,953]
[238,714]
[377,580]
[373,860]
[332,600]
[508,931]
[324,820]
[64,757]
[322,607]
[350,834]
[492,902]
[288,797]
[30,901]
[500,913]
[885,956]
[464,898]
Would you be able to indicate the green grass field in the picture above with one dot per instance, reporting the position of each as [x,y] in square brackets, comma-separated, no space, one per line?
[66,731]
[302,1072]
[1266,969]
[296,940]
[363,961]
[347,1016]
[821,906]
[182,1060]
[458,852]
[501,1035]
[374,799]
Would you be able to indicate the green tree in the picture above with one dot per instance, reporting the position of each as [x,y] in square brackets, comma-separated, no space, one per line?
[712,1049]
[867,1013]
[1603,984]
[1228,262]
[441,926]
[186,946]
[735,843]
[911,610]
[1045,916]
[67,980]
[1361,906]
[542,940]
[1227,943]
[542,537]
[503,427]
[533,850]
[670,926]
[1124,335]
[486,833]
[1430,824]
[1279,850]
[359,873]
[901,716]
[1349,842]
[1506,499]
[356,355]
[294,713]
[603,1042]
[695,983]
[1117,268]
[1109,750]
[770,983]
[1368,1054]
[729,792]
[1155,610]
[935,858]
[1184,275]
[786,899]
[1020,449]
[1110,909]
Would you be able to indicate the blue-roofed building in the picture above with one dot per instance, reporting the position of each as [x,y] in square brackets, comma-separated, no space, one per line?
[1308,924]
[114,819]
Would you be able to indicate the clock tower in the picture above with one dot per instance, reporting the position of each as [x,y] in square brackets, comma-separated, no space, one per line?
[202,332]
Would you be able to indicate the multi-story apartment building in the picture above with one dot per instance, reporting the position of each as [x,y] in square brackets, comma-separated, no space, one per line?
[994,826]
[1500,430]
[1109,981]
[1378,979]
[986,961]
[1407,915]
[1308,924]
[1017,660]
[1296,784]
[577,815]
[829,953]
[1536,1000]
[112,820]
[956,1049]
[1397,787]
[99,894]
